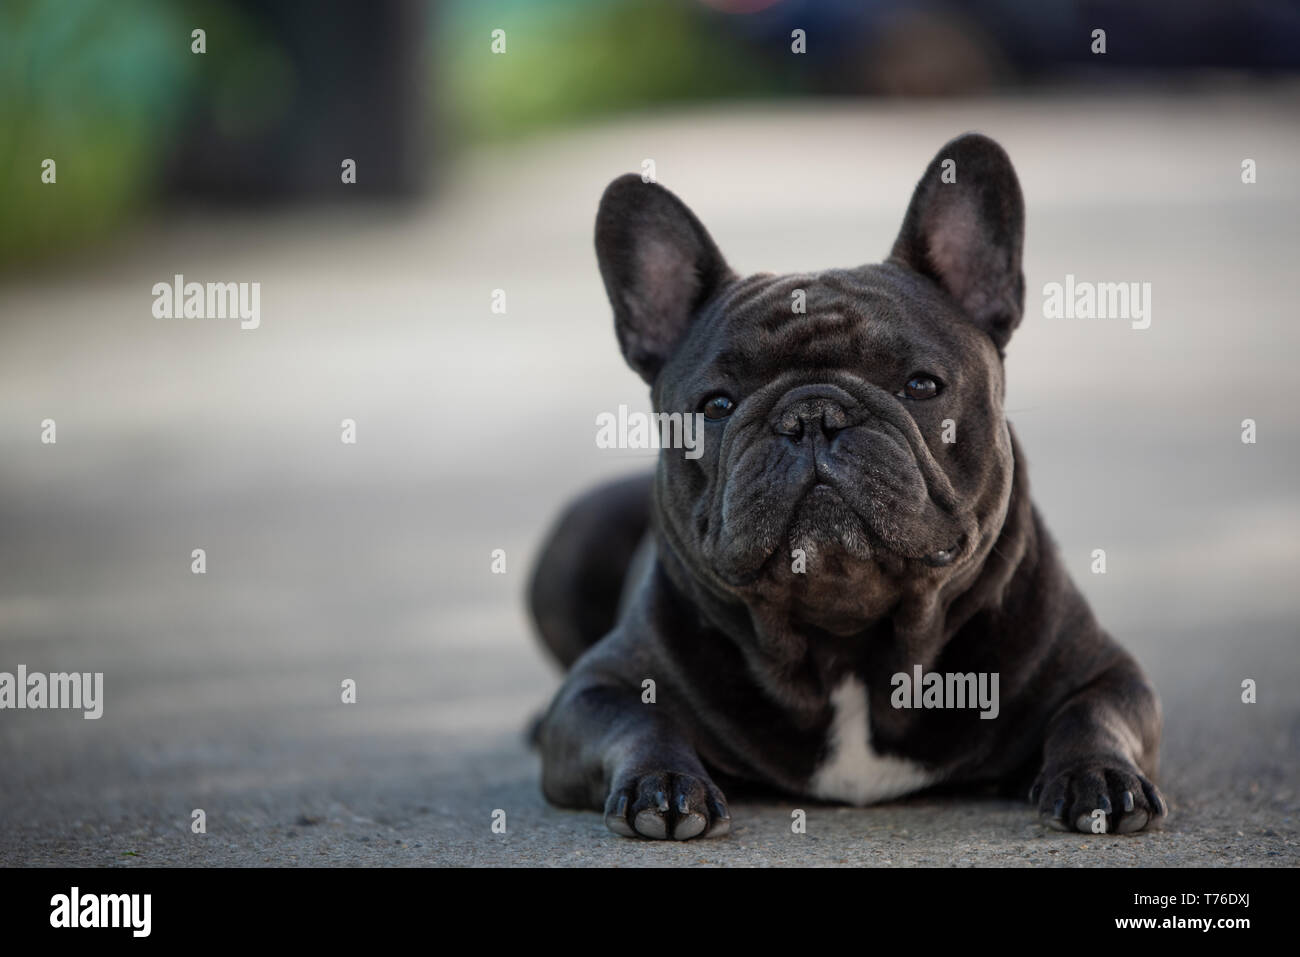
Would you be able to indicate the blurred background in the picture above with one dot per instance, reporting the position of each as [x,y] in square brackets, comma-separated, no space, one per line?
[479,171]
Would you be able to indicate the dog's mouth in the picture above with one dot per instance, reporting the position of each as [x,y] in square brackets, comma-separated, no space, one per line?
[825,531]
[825,517]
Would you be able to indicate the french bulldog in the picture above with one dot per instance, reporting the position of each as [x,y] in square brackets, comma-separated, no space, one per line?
[858,520]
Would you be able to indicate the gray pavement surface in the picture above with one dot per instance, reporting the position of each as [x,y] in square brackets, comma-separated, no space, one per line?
[372,561]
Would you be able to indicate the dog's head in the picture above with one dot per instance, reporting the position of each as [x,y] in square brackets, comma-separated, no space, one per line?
[854,444]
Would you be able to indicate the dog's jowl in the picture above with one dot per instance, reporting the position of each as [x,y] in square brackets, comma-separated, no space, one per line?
[846,592]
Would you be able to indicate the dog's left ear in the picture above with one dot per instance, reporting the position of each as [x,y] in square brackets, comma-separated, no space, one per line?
[965,228]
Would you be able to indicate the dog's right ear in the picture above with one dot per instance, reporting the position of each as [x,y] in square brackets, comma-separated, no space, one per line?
[659,265]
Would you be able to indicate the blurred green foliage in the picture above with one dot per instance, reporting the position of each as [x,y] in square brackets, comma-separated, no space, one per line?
[570,59]
[96,87]
[104,88]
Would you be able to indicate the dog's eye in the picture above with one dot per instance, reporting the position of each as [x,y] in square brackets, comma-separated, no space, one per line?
[718,407]
[920,387]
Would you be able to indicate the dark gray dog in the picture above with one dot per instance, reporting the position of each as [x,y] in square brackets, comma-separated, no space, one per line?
[852,556]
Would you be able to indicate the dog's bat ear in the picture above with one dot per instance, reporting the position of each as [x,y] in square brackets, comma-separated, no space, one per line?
[965,228]
[659,265]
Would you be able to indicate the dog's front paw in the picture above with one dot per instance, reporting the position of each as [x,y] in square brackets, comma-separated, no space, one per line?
[666,805]
[1097,796]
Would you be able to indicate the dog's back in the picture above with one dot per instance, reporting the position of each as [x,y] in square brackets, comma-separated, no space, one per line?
[579,577]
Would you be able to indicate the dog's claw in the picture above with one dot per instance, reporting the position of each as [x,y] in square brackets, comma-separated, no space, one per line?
[1070,798]
[616,819]
[1154,798]
[666,805]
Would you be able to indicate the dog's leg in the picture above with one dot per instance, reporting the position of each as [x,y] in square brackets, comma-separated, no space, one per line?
[1099,755]
[603,748]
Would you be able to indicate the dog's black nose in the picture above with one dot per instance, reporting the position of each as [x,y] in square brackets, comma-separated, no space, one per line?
[808,414]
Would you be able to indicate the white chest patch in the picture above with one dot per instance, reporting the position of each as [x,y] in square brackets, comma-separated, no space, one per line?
[852,771]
